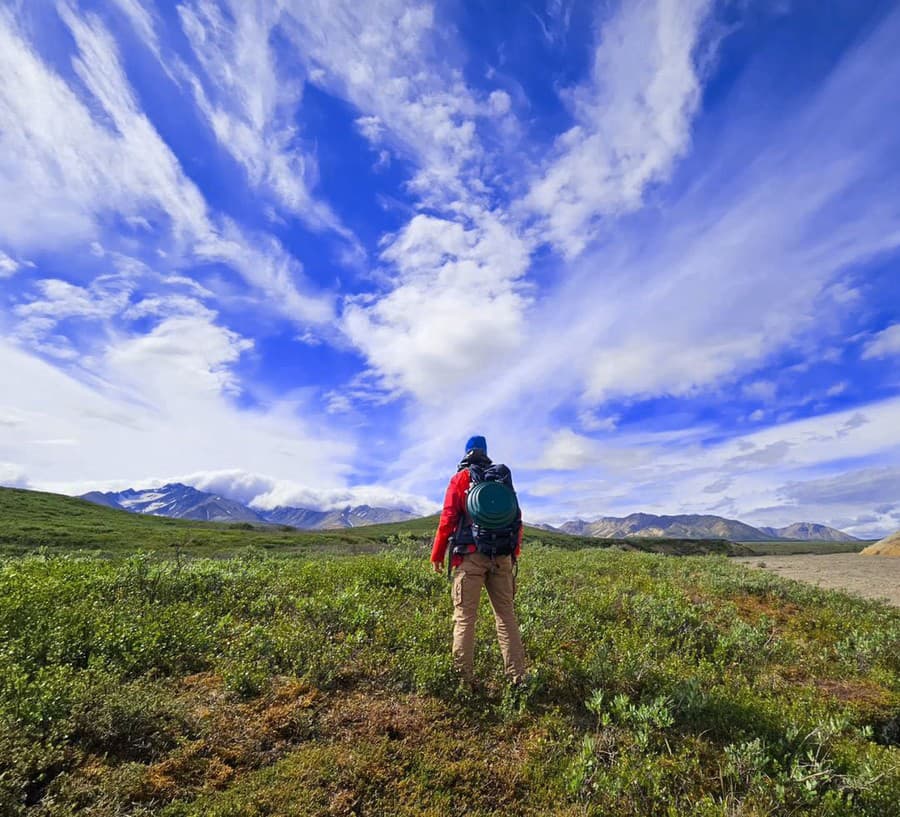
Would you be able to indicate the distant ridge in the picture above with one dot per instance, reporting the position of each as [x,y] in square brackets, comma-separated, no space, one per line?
[810,532]
[698,526]
[180,501]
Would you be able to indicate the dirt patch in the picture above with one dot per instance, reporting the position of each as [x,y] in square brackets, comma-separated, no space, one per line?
[753,608]
[233,736]
[861,693]
[874,577]
[370,716]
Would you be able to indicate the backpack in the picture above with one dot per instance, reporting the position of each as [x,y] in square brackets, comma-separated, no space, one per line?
[493,508]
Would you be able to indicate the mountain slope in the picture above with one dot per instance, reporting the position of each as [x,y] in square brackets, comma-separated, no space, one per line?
[348,517]
[177,501]
[684,526]
[811,532]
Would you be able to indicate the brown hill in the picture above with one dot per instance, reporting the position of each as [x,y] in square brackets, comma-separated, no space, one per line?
[889,546]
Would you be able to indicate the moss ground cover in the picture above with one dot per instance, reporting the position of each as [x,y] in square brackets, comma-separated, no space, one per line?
[321,684]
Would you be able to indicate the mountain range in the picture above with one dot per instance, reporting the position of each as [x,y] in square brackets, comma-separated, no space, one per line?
[697,526]
[184,502]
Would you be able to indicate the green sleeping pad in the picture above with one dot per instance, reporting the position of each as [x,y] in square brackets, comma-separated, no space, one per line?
[492,505]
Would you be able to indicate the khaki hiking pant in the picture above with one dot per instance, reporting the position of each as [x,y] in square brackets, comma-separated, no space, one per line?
[477,571]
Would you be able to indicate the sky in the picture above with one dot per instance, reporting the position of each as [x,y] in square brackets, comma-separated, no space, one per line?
[299,251]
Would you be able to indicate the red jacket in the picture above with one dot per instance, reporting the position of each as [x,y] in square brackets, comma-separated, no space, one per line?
[454,510]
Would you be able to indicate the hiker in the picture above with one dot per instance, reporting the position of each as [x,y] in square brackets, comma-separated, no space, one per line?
[483,552]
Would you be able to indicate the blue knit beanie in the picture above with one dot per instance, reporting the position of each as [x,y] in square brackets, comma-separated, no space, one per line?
[476,442]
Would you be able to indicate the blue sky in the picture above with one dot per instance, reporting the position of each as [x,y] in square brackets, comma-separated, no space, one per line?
[299,251]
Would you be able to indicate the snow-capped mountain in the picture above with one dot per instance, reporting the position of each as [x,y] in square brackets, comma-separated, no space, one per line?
[179,501]
[185,502]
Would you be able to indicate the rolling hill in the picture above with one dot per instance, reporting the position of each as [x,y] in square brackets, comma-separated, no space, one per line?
[889,546]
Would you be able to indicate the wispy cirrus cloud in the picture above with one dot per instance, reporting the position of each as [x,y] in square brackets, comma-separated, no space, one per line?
[885,343]
[396,62]
[125,170]
[141,15]
[633,119]
[251,106]
[77,170]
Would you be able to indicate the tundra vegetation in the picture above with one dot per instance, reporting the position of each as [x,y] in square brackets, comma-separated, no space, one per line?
[160,668]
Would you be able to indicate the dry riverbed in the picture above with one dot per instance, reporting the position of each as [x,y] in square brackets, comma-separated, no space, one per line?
[875,577]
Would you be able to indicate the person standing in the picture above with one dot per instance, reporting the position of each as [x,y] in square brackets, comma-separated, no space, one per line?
[481,555]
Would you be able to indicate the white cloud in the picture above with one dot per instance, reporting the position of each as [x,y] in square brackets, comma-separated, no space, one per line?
[76,161]
[167,306]
[56,160]
[60,299]
[141,17]
[265,493]
[12,475]
[633,119]
[189,283]
[184,357]
[568,451]
[499,103]
[762,390]
[591,421]
[40,315]
[371,127]
[268,267]
[8,266]
[159,406]
[251,106]
[393,60]
[455,309]
[884,344]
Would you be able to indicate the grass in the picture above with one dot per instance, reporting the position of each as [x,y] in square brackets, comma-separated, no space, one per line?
[309,682]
